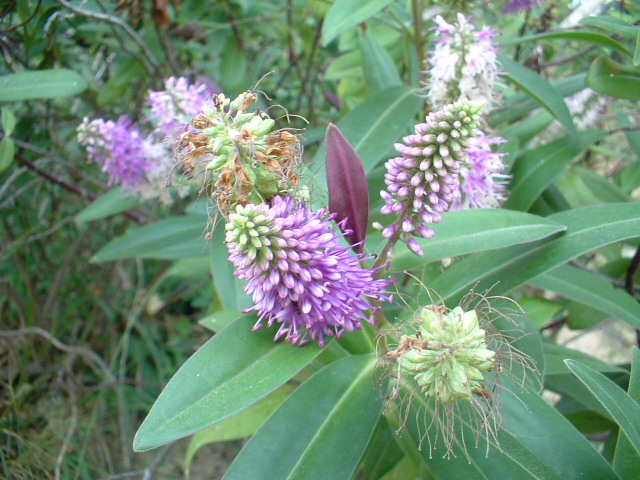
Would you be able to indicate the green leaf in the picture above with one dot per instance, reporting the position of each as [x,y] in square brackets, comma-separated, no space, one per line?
[234,66]
[537,169]
[539,310]
[320,431]
[539,89]
[589,37]
[636,54]
[626,460]
[178,237]
[220,320]
[40,84]
[523,449]
[555,355]
[383,453]
[108,204]
[466,231]
[8,121]
[7,152]
[588,228]
[345,14]
[188,268]
[380,71]
[612,24]
[589,289]
[622,408]
[611,78]
[376,123]
[241,425]
[228,286]
[602,189]
[233,370]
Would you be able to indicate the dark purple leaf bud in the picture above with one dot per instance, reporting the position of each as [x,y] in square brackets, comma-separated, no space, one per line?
[348,190]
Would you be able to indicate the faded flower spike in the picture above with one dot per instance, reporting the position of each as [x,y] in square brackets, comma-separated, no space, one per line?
[422,184]
[247,161]
[464,63]
[298,273]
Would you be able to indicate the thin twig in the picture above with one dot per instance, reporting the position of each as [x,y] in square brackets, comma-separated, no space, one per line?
[112,20]
[68,186]
[70,432]
[629,282]
[81,351]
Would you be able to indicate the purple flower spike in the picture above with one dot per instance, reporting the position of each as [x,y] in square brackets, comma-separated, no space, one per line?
[348,189]
[298,273]
[170,110]
[119,148]
[423,183]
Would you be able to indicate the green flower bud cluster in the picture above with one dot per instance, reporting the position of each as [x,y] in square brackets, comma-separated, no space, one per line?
[251,234]
[448,354]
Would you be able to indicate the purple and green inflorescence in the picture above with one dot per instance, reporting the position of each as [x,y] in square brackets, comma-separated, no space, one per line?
[298,273]
[422,183]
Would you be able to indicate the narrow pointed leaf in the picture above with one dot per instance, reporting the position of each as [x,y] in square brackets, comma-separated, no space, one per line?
[475,230]
[177,237]
[345,14]
[609,77]
[537,169]
[626,460]
[588,228]
[233,370]
[622,408]
[320,431]
[539,89]
[108,204]
[40,84]
[587,288]
[348,189]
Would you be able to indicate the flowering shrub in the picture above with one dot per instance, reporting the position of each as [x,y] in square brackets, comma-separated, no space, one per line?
[372,314]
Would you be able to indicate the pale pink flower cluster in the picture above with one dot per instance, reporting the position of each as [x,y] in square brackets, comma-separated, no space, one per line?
[463,64]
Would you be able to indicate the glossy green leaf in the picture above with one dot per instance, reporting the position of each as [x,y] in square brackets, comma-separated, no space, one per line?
[537,169]
[345,14]
[611,78]
[555,355]
[602,188]
[539,89]
[380,71]
[112,202]
[241,425]
[320,431]
[233,370]
[622,408]
[589,37]
[8,121]
[626,460]
[379,121]
[589,289]
[474,230]
[40,84]
[178,237]
[588,228]
[7,153]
